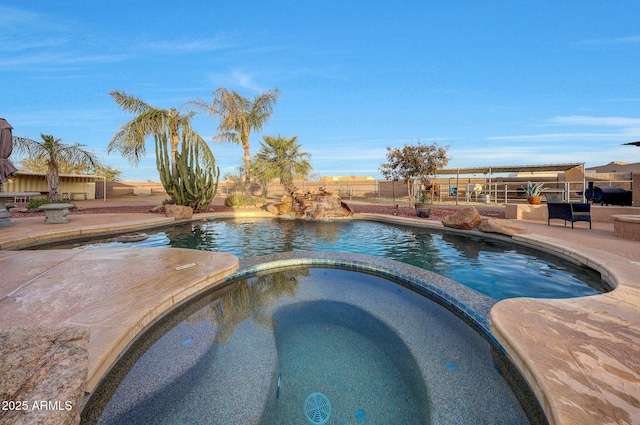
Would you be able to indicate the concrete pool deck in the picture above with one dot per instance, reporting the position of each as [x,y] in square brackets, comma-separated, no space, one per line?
[579,355]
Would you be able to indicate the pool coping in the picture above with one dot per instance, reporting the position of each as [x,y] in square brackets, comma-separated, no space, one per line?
[111,297]
[614,317]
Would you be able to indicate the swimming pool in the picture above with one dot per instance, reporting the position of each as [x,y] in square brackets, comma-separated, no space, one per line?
[495,268]
[254,351]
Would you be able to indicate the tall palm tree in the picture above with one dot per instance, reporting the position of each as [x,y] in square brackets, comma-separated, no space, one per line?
[240,116]
[53,153]
[281,157]
[150,121]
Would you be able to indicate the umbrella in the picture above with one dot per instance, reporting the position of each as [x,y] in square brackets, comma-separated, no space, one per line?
[7,170]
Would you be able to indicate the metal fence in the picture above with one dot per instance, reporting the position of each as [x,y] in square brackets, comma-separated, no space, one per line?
[467,190]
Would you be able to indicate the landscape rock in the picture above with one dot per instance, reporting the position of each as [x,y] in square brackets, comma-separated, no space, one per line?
[467,218]
[43,364]
[179,212]
[505,227]
[282,208]
[158,209]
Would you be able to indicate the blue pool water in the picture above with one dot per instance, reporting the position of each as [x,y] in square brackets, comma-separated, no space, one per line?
[255,351]
[494,268]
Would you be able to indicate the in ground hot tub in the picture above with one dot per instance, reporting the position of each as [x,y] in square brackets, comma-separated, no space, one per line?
[306,345]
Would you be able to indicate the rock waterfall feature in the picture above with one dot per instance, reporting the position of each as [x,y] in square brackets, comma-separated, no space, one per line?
[315,205]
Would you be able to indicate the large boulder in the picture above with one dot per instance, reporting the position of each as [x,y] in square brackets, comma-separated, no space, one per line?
[179,212]
[466,219]
[282,208]
[502,226]
[43,365]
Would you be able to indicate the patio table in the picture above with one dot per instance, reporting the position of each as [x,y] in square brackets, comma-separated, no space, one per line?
[5,215]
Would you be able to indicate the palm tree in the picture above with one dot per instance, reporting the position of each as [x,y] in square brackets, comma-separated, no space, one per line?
[281,157]
[150,121]
[240,116]
[54,154]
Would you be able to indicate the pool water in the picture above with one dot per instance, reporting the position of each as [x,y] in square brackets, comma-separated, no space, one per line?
[252,352]
[495,268]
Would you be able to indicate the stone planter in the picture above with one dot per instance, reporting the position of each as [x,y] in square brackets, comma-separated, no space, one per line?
[423,212]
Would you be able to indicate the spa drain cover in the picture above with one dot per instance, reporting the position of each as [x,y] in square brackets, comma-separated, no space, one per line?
[317,408]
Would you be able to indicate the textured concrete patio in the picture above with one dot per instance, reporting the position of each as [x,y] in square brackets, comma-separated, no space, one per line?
[579,355]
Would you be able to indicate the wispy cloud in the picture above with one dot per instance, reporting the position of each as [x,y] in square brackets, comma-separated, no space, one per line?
[353,154]
[58,59]
[556,137]
[596,121]
[222,41]
[29,39]
[523,155]
[236,78]
[614,129]
[632,39]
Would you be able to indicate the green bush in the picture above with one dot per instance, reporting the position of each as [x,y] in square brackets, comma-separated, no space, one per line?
[258,200]
[37,201]
[235,200]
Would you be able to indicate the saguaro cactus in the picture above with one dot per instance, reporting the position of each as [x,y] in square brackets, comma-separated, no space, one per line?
[195,182]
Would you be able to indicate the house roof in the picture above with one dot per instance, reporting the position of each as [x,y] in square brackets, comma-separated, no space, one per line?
[30,173]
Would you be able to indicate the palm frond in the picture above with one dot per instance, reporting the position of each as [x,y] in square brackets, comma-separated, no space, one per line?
[129,103]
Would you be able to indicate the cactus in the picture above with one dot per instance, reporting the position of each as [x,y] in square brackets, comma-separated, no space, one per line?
[193,184]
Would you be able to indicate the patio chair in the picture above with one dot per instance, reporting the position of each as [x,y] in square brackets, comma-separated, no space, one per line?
[568,212]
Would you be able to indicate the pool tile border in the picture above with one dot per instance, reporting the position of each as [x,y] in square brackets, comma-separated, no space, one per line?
[466,303]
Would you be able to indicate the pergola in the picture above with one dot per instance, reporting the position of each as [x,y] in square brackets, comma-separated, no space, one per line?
[499,169]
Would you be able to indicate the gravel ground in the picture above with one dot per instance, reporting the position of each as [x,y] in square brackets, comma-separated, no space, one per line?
[437,211]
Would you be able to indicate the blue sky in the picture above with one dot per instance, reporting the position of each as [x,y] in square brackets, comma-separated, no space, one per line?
[500,82]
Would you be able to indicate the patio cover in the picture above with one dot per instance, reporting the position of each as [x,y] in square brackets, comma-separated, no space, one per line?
[511,169]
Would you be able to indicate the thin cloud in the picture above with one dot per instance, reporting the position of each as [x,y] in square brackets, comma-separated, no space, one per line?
[556,137]
[596,121]
[349,153]
[618,129]
[519,155]
[58,59]
[236,78]
[183,46]
[614,40]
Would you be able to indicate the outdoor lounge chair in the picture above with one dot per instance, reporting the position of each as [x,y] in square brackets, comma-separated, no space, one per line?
[569,212]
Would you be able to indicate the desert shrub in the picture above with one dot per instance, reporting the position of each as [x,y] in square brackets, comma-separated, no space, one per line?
[38,201]
[258,200]
[235,200]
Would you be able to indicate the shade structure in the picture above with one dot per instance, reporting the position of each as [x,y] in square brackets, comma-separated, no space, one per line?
[7,170]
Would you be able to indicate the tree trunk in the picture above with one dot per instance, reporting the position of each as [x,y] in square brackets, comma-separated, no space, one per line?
[247,167]
[175,140]
[289,187]
[411,191]
[52,180]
